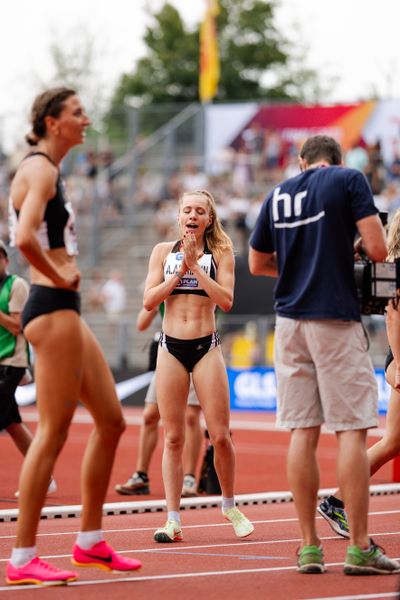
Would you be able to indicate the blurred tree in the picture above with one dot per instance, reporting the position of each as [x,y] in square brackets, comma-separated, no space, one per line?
[76,62]
[257,61]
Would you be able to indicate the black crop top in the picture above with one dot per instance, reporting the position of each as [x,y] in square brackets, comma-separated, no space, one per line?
[189,283]
[57,229]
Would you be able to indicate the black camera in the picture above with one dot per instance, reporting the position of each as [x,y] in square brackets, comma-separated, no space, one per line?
[376,283]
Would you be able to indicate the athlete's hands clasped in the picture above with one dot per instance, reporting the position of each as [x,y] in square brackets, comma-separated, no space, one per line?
[190,254]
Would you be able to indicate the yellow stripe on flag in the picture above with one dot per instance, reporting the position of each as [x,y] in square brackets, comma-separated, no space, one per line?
[209,71]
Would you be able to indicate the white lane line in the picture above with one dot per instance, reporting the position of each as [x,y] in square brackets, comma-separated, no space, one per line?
[138,529]
[175,576]
[164,577]
[358,596]
[201,526]
[206,525]
[156,549]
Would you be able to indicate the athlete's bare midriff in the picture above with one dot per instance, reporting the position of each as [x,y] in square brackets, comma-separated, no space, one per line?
[61,261]
[188,316]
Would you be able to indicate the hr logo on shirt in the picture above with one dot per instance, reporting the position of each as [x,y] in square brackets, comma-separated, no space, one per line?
[292,207]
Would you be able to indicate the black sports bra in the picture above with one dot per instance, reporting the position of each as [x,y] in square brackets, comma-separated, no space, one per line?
[57,229]
[189,283]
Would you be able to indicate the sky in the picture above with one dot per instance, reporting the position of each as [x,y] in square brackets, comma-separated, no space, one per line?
[353,42]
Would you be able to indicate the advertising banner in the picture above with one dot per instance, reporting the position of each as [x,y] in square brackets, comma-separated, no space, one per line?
[255,389]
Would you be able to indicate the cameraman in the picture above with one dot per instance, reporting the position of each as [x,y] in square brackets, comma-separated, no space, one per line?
[388,447]
[304,236]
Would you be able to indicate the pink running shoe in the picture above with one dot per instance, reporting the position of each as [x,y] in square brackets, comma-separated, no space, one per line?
[40,572]
[103,557]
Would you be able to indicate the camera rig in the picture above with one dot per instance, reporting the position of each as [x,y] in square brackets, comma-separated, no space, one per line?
[376,284]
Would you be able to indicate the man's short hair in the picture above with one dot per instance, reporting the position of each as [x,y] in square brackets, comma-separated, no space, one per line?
[321,147]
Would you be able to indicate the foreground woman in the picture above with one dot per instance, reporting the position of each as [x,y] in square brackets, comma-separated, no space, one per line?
[69,365]
[193,276]
[387,448]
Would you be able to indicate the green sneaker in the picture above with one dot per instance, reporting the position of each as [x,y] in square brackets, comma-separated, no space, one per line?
[369,562]
[311,560]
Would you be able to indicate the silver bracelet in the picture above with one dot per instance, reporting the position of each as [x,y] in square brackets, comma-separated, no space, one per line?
[180,277]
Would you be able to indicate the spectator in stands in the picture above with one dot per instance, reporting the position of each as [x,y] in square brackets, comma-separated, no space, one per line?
[192,178]
[253,137]
[149,187]
[114,296]
[394,167]
[92,164]
[375,169]
[174,187]
[389,199]
[291,165]
[165,218]
[95,295]
[272,153]
[356,157]
[242,172]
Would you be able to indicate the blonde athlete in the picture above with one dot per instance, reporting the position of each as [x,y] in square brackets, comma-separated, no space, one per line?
[193,276]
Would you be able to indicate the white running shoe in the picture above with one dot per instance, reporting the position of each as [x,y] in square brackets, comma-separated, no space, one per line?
[171,532]
[189,489]
[242,526]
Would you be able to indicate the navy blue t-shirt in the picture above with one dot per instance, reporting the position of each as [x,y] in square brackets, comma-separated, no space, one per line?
[310,221]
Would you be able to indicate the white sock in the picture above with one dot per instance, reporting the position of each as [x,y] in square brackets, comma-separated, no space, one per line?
[21,556]
[228,503]
[87,539]
[173,515]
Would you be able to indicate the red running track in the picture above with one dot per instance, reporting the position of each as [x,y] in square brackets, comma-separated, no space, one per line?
[210,561]
[260,465]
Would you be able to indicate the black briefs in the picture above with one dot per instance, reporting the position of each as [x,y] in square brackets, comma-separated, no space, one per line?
[43,300]
[389,359]
[189,352]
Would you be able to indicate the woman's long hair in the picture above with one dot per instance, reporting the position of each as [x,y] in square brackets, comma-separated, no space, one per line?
[393,237]
[217,240]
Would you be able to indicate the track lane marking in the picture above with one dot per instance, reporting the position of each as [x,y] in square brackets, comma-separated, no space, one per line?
[358,596]
[171,549]
[177,576]
[200,526]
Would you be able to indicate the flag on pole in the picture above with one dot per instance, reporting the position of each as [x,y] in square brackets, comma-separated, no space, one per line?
[209,57]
